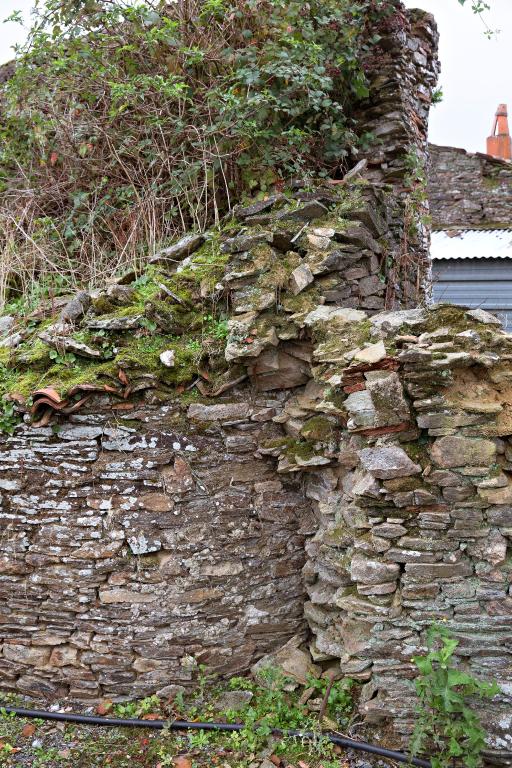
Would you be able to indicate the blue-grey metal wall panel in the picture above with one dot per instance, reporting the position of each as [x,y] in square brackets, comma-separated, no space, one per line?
[485,283]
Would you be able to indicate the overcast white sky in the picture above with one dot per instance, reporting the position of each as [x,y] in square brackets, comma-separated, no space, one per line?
[475,74]
[10,34]
[475,71]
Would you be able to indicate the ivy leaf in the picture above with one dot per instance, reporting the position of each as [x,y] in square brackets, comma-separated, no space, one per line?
[455,750]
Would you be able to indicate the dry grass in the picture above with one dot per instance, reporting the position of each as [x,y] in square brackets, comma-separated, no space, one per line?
[126,128]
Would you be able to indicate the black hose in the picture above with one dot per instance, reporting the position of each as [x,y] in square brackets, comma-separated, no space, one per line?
[184,725]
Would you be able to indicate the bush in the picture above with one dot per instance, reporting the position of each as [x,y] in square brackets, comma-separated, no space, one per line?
[127,123]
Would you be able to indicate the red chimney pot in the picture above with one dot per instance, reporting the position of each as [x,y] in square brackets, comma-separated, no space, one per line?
[499,144]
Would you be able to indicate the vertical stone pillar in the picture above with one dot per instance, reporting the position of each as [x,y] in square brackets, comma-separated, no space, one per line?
[402,69]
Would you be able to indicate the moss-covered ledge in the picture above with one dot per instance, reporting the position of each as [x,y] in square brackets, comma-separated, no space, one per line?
[207,306]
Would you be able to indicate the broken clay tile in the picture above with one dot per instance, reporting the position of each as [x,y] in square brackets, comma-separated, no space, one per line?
[48,392]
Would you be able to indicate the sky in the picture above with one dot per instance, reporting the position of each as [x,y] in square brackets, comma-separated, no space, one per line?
[11,33]
[475,74]
[475,71]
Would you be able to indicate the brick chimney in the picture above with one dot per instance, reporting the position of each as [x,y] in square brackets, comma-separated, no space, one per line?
[499,144]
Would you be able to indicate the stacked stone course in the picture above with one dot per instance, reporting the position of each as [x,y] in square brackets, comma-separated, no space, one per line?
[362,456]
[468,190]
[384,438]
[402,70]
[109,576]
[129,554]
[414,513]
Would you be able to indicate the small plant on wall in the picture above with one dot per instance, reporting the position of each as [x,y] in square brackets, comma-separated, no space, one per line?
[447,725]
[8,416]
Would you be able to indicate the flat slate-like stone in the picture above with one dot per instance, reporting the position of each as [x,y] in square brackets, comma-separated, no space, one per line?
[218,412]
[127,323]
[258,207]
[300,278]
[307,212]
[178,251]
[455,451]
[6,323]
[76,308]
[68,344]
[12,341]
[361,409]
[481,316]
[391,322]
[243,243]
[323,314]
[368,571]
[388,462]
[425,572]
[372,354]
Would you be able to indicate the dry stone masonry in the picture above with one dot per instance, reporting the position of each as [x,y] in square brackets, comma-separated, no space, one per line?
[414,508]
[344,478]
[129,554]
[133,544]
[137,546]
[402,69]
[468,190]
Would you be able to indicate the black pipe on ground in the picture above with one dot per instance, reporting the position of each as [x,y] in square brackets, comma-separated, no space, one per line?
[184,725]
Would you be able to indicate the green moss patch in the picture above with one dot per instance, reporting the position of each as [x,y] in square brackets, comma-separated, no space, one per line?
[181,307]
[318,428]
[175,313]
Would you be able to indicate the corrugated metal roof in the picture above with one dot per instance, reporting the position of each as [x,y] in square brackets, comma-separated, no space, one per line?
[472,244]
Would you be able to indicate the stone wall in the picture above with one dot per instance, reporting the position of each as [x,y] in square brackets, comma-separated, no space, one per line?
[414,507]
[130,545]
[6,72]
[359,456]
[402,69]
[129,551]
[469,190]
